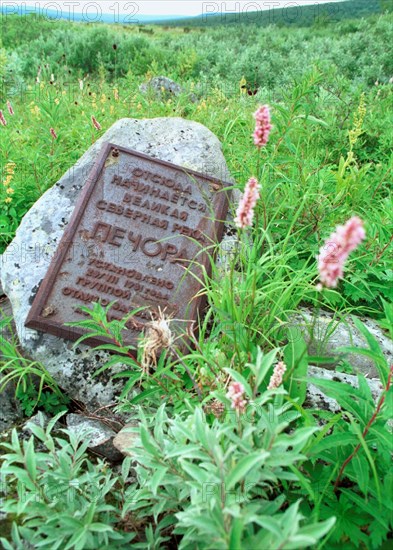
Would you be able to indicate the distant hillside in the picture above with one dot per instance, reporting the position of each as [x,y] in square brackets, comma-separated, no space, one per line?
[69,15]
[298,16]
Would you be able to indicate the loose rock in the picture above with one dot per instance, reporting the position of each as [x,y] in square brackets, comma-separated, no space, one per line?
[316,399]
[127,439]
[331,333]
[164,87]
[99,434]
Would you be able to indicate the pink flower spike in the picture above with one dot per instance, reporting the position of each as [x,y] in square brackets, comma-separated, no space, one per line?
[262,126]
[10,109]
[3,121]
[245,210]
[95,122]
[236,395]
[276,378]
[335,251]
[53,133]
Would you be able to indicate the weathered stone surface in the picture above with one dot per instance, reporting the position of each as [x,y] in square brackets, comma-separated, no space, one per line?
[316,399]
[100,435]
[127,438]
[163,86]
[27,258]
[332,333]
[10,411]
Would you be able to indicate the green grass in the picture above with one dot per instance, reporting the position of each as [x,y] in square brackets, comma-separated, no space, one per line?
[312,79]
[326,160]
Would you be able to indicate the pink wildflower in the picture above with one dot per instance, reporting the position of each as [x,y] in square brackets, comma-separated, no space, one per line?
[10,109]
[335,251]
[53,133]
[245,210]
[3,121]
[262,126]
[236,395]
[276,378]
[95,122]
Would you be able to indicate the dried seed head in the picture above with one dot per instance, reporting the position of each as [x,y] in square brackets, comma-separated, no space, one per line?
[158,336]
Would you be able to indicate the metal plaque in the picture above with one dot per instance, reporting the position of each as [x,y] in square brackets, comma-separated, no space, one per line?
[142,234]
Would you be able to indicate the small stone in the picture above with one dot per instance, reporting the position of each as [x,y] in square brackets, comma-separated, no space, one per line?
[161,86]
[99,434]
[316,399]
[331,333]
[127,439]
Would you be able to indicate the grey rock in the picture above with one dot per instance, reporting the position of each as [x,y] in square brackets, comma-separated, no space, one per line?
[162,86]
[40,419]
[127,439]
[27,258]
[331,333]
[99,434]
[316,399]
[10,411]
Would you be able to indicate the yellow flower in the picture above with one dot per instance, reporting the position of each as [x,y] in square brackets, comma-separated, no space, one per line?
[10,167]
[10,191]
[116,94]
[7,200]
[103,98]
[358,120]
[64,92]
[35,110]
[9,170]
[57,100]
[112,109]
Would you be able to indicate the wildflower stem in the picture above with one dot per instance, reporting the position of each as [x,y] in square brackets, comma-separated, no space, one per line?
[366,429]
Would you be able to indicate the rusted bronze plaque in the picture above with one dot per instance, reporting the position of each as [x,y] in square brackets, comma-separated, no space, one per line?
[142,232]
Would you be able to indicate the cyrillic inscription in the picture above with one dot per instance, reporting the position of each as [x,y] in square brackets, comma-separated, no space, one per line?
[139,234]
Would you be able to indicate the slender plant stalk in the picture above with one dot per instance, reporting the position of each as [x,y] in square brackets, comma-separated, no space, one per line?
[366,429]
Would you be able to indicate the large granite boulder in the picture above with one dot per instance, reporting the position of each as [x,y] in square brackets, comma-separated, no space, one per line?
[27,258]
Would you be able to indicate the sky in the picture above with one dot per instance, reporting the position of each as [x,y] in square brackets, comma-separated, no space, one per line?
[151,7]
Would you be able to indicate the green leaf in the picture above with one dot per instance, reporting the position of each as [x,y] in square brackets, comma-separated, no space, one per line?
[235,536]
[361,469]
[148,441]
[296,360]
[31,465]
[243,467]
[263,364]
[195,471]
[157,478]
